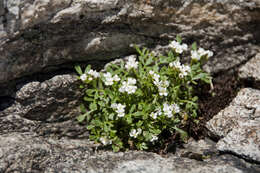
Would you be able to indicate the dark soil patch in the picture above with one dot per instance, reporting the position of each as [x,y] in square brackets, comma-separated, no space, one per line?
[226,87]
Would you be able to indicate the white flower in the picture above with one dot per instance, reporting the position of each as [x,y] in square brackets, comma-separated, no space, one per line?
[83,77]
[168,109]
[161,85]
[154,115]
[176,108]
[179,48]
[151,72]
[119,108]
[175,64]
[93,73]
[184,69]
[105,141]
[154,138]
[116,78]
[131,63]
[197,54]
[128,86]
[109,80]
[162,91]
[134,133]
[131,81]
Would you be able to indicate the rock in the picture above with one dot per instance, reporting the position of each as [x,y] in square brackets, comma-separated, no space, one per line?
[198,150]
[28,152]
[37,35]
[239,126]
[243,141]
[51,100]
[250,72]
[244,107]
[48,108]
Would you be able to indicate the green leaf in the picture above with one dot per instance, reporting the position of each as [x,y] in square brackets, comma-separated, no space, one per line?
[194,46]
[149,61]
[87,68]
[82,108]
[138,114]
[200,76]
[132,109]
[111,116]
[89,127]
[78,69]
[97,123]
[139,123]
[93,106]
[81,118]
[88,99]
[115,148]
[128,119]
[178,38]
[90,92]
[100,84]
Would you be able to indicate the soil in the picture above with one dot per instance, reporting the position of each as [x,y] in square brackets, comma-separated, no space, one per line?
[226,86]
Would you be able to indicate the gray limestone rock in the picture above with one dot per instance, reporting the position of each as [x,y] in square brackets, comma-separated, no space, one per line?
[31,153]
[48,108]
[239,126]
[244,107]
[51,100]
[250,72]
[243,141]
[40,34]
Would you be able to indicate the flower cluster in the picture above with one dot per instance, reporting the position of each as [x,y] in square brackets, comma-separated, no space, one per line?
[91,74]
[134,133]
[179,48]
[131,63]
[161,84]
[169,109]
[184,69]
[155,114]
[128,86]
[197,54]
[119,108]
[109,79]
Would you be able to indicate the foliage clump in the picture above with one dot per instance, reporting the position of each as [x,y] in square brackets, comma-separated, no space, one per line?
[130,103]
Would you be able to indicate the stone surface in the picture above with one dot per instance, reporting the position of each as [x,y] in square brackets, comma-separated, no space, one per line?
[198,150]
[244,107]
[37,35]
[239,125]
[250,72]
[51,100]
[48,107]
[28,152]
[244,141]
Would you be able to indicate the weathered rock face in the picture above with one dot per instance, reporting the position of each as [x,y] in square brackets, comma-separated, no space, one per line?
[38,131]
[239,125]
[32,153]
[36,35]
